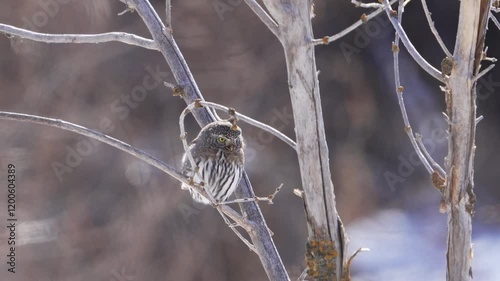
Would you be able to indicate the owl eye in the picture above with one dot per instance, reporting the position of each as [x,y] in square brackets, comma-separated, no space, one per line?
[221,139]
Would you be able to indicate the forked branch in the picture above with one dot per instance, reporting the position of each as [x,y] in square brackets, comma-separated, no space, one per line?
[264,16]
[434,30]
[400,91]
[364,18]
[392,15]
[249,121]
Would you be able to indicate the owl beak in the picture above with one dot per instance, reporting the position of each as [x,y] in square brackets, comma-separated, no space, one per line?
[230,145]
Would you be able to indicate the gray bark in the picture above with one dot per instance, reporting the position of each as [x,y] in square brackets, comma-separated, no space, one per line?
[326,244]
[461,109]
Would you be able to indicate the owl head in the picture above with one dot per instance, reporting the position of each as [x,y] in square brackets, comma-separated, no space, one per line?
[221,135]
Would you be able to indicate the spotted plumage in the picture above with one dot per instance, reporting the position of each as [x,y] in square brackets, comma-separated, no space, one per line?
[218,152]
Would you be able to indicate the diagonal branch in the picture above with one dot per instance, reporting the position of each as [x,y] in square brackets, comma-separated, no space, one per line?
[495,20]
[168,15]
[366,5]
[420,142]
[127,38]
[434,31]
[326,241]
[409,46]
[399,93]
[260,233]
[250,121]
[482,73]
[264,17]
[125,147]
[364,18]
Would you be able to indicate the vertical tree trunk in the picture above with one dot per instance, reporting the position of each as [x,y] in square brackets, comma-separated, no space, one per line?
[325,247]
[461,108]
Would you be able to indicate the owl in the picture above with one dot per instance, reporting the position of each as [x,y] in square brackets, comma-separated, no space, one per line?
[218,152]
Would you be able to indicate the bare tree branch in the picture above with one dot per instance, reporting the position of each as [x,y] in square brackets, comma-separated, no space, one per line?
[420,142]
[183,136]
[433,29]
[260,234]
[303,275]
[125,147]
[122,37]
[264,16]
[349,262]
[366,5]
[251,121]
[269,199]
[409,46]
[399,93]
[459,195]
[326,234]
[482,73]
[495,20]
[364,18]
[168,15]
[233,226]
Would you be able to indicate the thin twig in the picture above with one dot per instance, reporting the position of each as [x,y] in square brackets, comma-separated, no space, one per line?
[364,18]
[495,20]
[233,226]
[183,136]
[127,38]
[196,169]
[125,147]
[264,17]
[349,262]
[127,10]
[482,73]
[420,142]
[252,122]
[168,15]
[478,119]
[303,275]
[409,46]
[169,85]
[399,93]
[433,29]
[366,5]
[268,199]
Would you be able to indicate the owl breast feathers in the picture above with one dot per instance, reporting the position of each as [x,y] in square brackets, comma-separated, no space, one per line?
[218,153]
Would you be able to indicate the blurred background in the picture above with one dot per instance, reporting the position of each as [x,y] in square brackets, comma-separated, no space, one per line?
[87,211]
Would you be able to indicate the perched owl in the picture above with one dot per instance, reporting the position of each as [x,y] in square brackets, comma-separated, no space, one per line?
[218,152]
